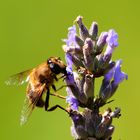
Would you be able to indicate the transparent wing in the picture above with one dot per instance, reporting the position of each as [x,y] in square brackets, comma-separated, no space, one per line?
[19,78]
[29,105]
[27,110]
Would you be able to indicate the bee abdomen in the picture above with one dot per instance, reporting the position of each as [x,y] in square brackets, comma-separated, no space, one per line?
[40,103]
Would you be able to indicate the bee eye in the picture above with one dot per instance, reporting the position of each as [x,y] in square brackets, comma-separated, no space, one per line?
[52,65]
[49,61]
[55,68]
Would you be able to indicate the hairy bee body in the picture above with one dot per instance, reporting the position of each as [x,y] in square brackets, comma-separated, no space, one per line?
[40,79]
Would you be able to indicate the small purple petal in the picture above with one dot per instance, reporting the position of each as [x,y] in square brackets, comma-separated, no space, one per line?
[112,39]
[109,75]
[71,36]
[111,42]
[119,76]
[68,58]
[108,51]
[70,78]
[73,102]
[69,70]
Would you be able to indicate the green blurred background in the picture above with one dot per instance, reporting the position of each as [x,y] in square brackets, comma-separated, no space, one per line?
[31,31]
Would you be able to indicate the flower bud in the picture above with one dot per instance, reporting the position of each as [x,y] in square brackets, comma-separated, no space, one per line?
[82,28]
[88,59]
[78,128]
[72,49]
[79,41]
[109,132]
[78,132]
[101,42]
[72,59]
[91,46]
[89,86]
[79,80]
[94,30]
[100,131]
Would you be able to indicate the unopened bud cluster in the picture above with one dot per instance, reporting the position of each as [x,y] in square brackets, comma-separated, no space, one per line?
[89,56]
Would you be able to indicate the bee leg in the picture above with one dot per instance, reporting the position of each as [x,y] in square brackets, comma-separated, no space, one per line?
[63,76]
[61,87]
[56,78]
[58,106]
[55,94]
[47,100]
[54,88]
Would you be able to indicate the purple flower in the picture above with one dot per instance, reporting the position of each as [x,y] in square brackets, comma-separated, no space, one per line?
[112,42]
[71,44]
[71,36]
[112,38]
[68,58]
[108,76]
[70,78]
[116,73]
[119,76]
[73,102]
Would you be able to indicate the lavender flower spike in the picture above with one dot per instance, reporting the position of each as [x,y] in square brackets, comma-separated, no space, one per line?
[85,51]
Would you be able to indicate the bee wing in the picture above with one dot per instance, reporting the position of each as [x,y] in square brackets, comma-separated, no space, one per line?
[30,105]
[26,111]
[19,78]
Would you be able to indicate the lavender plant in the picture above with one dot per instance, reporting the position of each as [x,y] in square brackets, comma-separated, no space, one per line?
[89,57]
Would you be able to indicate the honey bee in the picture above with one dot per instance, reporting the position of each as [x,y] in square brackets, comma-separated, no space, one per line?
[39,79]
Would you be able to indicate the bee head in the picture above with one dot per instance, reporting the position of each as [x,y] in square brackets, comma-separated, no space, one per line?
[56,65]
